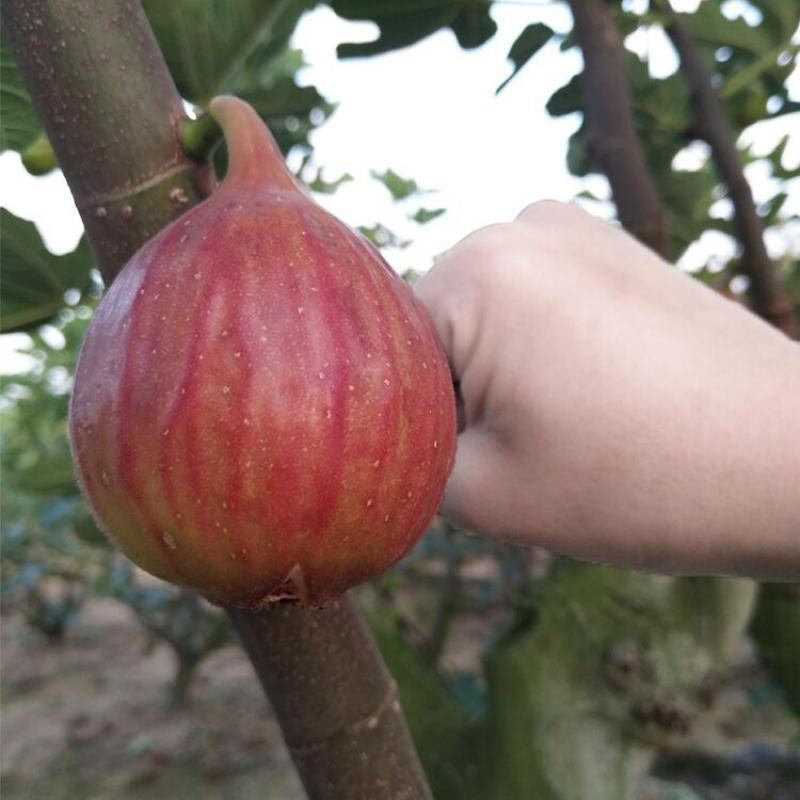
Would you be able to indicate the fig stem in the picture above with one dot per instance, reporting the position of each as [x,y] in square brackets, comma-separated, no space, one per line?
[199,137]
[254,158]
[335,700]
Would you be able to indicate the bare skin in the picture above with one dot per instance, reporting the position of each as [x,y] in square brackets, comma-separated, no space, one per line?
[616,410]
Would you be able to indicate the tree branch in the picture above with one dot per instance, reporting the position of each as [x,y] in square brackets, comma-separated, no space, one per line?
[111,111]
[611,136]
[767,296]
[110,107]
[335,701]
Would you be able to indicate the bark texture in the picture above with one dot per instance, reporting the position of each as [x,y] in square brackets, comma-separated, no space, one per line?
[611,136]
[335,700]
[711,122]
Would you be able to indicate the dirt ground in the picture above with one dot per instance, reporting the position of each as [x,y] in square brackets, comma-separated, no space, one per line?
[88,720]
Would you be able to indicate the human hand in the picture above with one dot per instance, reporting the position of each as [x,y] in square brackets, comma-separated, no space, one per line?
[615,409]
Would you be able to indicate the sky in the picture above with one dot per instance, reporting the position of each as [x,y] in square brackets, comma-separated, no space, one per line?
[430,113]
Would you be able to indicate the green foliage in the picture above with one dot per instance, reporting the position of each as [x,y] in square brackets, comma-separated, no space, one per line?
[610,665]
[319,184]
[381,236]
[404,22]
[19,125]
[35,454]
[34,280]
[46,570]
[399,188]
[212,47]
[776,629]
[291,111]
[532,39]
[241,48]
[443,727]
[750,64]
[423,215]
[53,552]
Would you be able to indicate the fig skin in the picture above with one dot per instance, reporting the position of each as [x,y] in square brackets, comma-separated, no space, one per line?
[262,409]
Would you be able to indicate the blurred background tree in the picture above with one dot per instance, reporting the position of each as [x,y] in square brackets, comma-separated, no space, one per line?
[522,675]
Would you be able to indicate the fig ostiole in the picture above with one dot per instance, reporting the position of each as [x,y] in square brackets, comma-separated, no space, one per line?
[262,409]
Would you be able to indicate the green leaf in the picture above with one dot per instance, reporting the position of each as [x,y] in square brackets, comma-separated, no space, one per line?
[19,125]
[34,280]
[772,208]
[423,215]
[746,77]
[775,157]
[781,17]
[578,160]
[709,25]
[526,45]
[284,97]
[442,726]
[586,194]
[566,100]
[405,22]
[400,188]
[381,236]
[210,44]
[319,184]
[661,107]
[473,26]
[291,111]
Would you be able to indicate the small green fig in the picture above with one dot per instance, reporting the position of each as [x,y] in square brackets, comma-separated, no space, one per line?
[262,408]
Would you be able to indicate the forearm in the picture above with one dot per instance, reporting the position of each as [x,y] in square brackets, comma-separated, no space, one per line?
[709,480]
[681,456]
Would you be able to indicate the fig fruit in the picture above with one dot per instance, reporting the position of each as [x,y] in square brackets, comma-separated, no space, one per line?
[262,408]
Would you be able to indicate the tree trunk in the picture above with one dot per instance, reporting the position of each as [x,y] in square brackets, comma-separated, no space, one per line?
[611,136]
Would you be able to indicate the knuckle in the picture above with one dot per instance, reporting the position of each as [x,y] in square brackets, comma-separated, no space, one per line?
[548,212]
[486,246]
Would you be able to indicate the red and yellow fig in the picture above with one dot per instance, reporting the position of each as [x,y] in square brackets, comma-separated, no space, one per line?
[261,409]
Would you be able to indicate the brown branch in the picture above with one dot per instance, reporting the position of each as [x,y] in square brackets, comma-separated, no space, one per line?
[711,121]
[110,107]
[611,136]
[335,701]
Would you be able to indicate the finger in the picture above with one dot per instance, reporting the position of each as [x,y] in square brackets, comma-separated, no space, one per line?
[432,291]
[475,496]
[544,214]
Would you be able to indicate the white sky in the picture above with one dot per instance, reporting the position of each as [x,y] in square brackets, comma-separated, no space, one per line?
[430,113]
